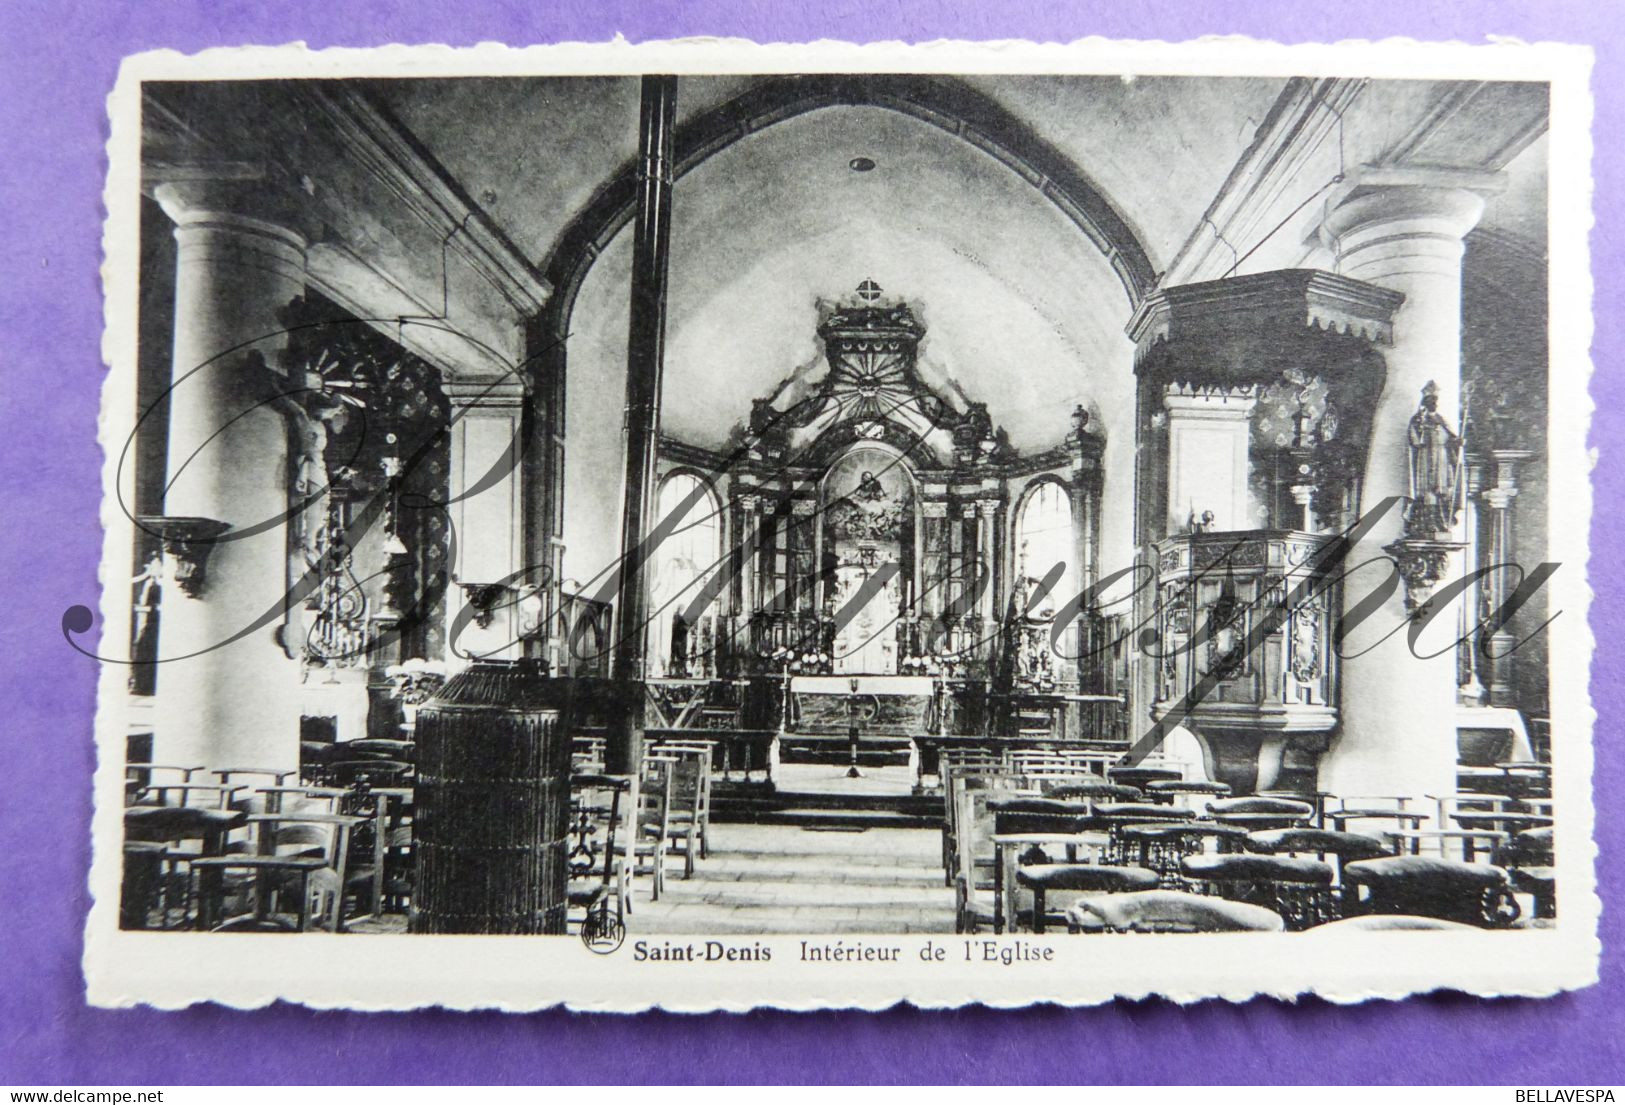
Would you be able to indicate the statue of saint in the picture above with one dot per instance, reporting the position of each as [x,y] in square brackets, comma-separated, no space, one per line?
[678,660]
[1435,467]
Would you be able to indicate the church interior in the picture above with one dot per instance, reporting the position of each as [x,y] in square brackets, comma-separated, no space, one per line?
[838,504]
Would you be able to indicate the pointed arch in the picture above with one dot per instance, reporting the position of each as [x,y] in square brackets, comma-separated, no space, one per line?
[943,102]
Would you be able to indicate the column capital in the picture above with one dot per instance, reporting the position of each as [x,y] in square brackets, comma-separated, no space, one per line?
[505,392]
[1378,215]
[226,198]
[237,222]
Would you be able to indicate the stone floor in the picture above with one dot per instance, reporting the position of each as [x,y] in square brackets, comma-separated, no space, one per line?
[786,879]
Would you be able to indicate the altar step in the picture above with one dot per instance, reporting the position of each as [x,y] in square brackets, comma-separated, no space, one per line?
[872,751]
[830,811]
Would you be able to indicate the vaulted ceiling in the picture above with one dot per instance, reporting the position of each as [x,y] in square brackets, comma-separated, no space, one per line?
[1157,147]
[1024,311]
[1021,310]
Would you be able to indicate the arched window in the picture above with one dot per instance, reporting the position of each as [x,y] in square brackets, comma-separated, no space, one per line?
[1045,538]
[686,557]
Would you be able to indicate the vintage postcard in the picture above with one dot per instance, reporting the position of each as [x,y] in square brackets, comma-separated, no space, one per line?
[703,525]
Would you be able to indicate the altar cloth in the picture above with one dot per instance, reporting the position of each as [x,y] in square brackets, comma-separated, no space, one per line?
[879,705]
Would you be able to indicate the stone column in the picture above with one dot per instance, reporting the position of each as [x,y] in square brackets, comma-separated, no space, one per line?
[1083,643]
[1403,230]
[488,524]
[748,519]
[1469,661]
[1496,667]
[238,265]
[987,545]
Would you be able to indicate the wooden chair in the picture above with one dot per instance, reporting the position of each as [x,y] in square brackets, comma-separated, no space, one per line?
[278,776]
[1527,778]
[144,878]
[1027,761]
[1324,844]
[957,786]
[1300,890]
[1095,790]
[302,798]
[367,872]
[313,757]
[1194,795]
[587,753]
[139,776]
[1501,820]
[686,808]
[973,863]
[1316,798]
[382,748]
[1114,816]
[1169,911]
[1426,886]
[1477,807]
[979,760]
[1467,843]
[399,870]
[1023,828]
[705,752]
[1042,880]
[1256,813]
[1383,808]
[1529,861]
[185,771]
[1388,922]
[977,878]
[1141,775]
[1161,846]
[161,845]
[601,859]
[302,856]
[654,800]
[217,796]
[370,770]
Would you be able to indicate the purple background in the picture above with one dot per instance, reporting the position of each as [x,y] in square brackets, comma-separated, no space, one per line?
[57,65]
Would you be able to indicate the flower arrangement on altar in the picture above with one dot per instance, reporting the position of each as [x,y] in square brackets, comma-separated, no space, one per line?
[791,662]
[920,665]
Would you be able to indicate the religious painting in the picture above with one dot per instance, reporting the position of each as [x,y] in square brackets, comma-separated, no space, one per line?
[868,536]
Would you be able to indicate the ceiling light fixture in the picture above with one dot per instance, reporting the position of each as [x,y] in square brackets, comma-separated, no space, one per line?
[861,164]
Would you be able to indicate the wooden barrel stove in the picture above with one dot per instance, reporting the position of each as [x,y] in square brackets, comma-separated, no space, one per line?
[492,804]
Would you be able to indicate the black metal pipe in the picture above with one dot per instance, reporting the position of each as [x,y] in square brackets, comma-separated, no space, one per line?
[645,366]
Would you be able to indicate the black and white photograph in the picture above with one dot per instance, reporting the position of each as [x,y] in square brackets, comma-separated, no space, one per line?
[711,526]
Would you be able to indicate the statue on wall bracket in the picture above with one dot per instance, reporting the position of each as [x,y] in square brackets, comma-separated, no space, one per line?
[1435,470]
[1422,555]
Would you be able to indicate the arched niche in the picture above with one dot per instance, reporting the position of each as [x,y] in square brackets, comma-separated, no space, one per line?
[680,644]
[868,545]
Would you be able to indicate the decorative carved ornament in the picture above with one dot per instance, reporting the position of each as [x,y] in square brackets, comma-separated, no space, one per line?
[187,543]
[370,432]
